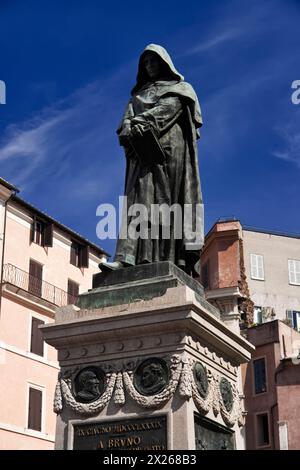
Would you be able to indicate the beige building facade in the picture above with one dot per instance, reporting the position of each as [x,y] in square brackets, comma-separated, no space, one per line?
[251,274]
[272,262]
[44,265]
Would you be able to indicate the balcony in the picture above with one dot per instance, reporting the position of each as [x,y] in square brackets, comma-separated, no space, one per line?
[35,286]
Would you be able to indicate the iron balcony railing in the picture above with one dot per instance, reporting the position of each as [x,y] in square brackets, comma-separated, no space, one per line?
[35,286]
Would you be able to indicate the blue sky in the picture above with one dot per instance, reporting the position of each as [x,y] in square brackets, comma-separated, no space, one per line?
[69,68]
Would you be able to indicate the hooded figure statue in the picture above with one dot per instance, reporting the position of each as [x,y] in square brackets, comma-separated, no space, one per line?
[162,118]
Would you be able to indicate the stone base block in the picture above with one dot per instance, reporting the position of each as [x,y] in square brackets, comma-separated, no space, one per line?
[158,370]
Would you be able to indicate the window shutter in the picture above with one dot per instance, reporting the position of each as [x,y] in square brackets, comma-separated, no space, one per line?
[297,321]
[35,278]
[32,230]
[260,267]
[254,269]
[289,315]
[48,235]
[257,315]
[294,320]
[290,318]
[84,256]
[297,269]
[292,274]
[257,267]
[35,409]
[73,255]
[73,291]
[37,341]
[35,269]
[294,271]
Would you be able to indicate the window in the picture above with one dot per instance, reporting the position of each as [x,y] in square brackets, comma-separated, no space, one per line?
[257,315]
[263,430]
[79,255]
[205,275]
[35,278]
[41,233]
[74,254]
[73,291]
[38,233]
[294,272]
[294,319]
[37,342]
[257,267]
[35,409]
[260,383]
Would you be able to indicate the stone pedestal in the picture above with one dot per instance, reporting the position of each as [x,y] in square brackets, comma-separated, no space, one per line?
[146,363]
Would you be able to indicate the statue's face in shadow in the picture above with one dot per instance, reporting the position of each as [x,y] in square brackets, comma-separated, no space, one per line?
[152,65]
[90,384]
[151,376]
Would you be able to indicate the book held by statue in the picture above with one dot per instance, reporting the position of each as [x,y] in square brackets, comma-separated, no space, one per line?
[147,148]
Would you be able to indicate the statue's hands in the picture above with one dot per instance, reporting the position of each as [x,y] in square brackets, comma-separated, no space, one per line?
[124,135]
[138,130]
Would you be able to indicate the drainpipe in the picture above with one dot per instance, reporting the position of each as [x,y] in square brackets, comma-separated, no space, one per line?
[277,371]
[273,422]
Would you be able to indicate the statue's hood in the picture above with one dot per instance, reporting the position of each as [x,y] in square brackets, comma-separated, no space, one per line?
[174,85]
[142,78]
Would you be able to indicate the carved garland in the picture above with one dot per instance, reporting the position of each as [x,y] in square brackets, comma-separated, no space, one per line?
[119,395]
[215,402]
[181,377]
[83,408]
[236,413]
[205,404]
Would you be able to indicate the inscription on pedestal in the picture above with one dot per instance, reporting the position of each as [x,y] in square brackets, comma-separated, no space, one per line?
[127,434]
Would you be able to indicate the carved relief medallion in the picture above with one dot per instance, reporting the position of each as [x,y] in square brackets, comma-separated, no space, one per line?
[151,376]
[226,393]
[201,380]
[89,384]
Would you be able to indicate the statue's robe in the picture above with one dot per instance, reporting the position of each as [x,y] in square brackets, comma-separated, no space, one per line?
[171,108]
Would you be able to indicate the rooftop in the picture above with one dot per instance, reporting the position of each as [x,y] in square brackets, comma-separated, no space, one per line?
[31,208]
[8,185]
[249,228]
[63,227]
[271,232]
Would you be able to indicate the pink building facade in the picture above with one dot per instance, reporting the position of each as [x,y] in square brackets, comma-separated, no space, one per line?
[223,274]
[272,388]
[44,265]
[253,277]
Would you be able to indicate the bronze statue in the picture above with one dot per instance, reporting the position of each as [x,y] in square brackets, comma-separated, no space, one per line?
[152,376]
[201,379]
[158,133]
[89,386]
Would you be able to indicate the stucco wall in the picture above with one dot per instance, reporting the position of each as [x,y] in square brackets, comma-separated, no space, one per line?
[19,368]
[275,291]
[56,260]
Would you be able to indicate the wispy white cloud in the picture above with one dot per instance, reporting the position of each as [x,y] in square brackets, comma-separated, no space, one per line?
[71,144]
[218,40]
[290,149]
